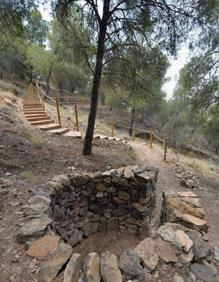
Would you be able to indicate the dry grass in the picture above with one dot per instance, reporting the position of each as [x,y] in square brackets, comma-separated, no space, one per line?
[203,166]
[4,96]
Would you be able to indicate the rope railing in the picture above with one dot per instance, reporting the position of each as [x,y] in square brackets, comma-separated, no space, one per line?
[151,133]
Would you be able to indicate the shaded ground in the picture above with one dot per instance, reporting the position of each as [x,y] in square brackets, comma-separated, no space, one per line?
[29,158]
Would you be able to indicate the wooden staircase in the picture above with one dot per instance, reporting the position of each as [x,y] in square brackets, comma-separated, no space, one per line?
[35,113]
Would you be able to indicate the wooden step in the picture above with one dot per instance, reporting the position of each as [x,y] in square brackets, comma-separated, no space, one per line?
[38,118]
[32,103]
[59,131]
[50,126]
[35,115]
[32,107]
[33,112]
[73,133]
[42,122]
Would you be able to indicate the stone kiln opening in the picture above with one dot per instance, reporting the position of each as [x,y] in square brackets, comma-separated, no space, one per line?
[120,199]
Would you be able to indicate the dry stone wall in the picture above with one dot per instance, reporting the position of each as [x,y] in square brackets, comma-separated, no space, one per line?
[88,203]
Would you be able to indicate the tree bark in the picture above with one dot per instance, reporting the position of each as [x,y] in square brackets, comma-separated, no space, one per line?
[96,81]
[132,121]
[48,79]
[31,74]
[61,88]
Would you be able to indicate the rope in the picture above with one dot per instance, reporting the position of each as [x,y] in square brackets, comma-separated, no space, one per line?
[45,94]
[162,140]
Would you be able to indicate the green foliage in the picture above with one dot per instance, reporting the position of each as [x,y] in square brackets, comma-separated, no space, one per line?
[36,28]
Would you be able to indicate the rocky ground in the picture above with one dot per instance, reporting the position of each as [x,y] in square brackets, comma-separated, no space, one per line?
[29,159]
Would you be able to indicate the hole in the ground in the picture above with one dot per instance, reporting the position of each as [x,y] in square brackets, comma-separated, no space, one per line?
[107,210]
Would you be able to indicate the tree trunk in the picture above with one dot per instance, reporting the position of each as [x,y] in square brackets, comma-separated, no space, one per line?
[96,82]
[48,79]
[61,88]
[132,121]
[31,74]
[142,116]
[1,74]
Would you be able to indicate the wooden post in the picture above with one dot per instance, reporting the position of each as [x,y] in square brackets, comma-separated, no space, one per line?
[76,117]
[151,138]
[113,126]
[165,149]
[58,112]
[133,133]
[30,90]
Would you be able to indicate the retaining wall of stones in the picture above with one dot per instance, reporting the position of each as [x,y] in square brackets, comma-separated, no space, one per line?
[117,199]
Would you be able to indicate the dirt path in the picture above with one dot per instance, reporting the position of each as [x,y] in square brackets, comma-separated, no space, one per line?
[167,181]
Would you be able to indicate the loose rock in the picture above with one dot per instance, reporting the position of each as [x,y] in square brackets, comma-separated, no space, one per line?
[50,269]
[43,247]
[73,272]
[92,268]
[165,251]
[109,268]
[129,263]
[147,252]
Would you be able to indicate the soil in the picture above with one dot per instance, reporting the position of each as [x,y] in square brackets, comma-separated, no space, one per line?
[30,158]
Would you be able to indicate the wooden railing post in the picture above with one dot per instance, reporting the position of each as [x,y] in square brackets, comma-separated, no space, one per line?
[76,117]
[165,149]
[30,90]
[112,127]
[58,112]
[151,138]
[133,133]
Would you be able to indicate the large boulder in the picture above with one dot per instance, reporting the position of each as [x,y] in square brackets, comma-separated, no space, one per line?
[130,264]
[43,247]
[147,252]
[109,268]
[49,270]
[73,269]
[92,268]
[33,229]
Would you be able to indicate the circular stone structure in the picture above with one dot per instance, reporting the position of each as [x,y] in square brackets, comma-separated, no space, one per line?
[84,204]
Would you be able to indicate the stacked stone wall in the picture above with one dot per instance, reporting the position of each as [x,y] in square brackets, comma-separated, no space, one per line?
[117,199]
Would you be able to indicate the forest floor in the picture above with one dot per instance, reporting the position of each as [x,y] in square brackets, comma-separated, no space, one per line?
[30,158]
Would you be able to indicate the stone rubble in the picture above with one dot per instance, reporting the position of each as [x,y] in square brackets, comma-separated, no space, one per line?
[187,178]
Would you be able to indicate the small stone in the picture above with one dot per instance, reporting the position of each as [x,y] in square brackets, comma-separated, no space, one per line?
[76,237]
[165,251]
[216,253]
[182,239]
[128,173]
[109,268]
[92,268]
[43,247]
[138,207]
[177,278]
[48,270]
[194,222]
[99,194]
[73,272]
[187,194]
[202,272]
[147,252]
[201,249]
[129,263]
[100,187]
[186,258]
[33,229]
[124,195]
